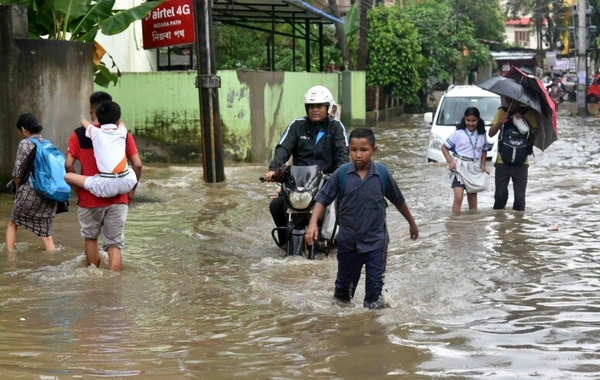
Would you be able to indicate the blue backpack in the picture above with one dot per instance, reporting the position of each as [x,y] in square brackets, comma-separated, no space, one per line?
[48,174]
[342,177]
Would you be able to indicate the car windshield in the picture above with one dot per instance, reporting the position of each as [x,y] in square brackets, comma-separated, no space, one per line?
[453,109]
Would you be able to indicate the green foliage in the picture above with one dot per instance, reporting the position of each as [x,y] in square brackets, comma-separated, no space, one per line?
[516,8]
[394,51]
[448,40]
[595,20]
[247,48]
[80,20]
[351,27]
[437,28]
[486,15]
[102,75]
[351,20]
[239,48]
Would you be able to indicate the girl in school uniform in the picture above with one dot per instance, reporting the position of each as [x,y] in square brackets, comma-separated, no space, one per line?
[465,152]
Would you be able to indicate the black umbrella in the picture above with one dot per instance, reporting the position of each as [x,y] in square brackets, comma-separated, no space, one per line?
[546,120]
[510,88]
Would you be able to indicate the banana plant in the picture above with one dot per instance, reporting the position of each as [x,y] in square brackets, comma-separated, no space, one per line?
[81,20]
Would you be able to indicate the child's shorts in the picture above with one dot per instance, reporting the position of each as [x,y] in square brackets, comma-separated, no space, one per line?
[104,187]
[456,182]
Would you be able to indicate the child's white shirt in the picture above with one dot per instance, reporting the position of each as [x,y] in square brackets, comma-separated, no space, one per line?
[109,143]
[465,143]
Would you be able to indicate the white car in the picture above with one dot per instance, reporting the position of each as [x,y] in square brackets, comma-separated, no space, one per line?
[451,110]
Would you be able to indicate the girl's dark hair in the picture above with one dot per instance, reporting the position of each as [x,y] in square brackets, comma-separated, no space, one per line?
[472,111]
[29,122]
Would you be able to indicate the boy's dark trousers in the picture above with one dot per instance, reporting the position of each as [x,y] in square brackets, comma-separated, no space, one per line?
[503,175]
[349,267]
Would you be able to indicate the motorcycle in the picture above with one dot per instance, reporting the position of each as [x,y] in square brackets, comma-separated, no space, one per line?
[299,187]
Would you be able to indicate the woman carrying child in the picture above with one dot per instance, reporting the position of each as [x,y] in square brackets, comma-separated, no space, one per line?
[465,152]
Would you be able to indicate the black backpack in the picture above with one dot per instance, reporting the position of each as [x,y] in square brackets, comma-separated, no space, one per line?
[514,146]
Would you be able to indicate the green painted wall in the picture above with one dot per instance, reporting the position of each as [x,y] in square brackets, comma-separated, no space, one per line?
[162,110]
[358,115]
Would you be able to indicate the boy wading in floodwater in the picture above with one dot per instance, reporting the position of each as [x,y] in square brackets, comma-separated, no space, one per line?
[362,186]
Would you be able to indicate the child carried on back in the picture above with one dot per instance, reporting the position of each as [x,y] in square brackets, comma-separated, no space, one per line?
[115,177]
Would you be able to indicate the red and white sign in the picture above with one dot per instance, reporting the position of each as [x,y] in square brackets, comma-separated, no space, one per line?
[169,24]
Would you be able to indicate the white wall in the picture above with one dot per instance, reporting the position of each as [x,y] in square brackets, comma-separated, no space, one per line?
[127,48]
[509,35]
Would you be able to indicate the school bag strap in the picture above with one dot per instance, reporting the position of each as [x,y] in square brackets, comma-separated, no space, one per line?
[342,177]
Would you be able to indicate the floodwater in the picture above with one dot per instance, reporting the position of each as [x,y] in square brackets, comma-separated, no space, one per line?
[205,294]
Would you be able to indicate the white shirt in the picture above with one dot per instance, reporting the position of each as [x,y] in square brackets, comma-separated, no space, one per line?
[109,147]
[466,143]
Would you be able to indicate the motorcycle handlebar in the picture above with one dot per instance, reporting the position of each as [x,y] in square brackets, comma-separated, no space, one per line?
[325,177]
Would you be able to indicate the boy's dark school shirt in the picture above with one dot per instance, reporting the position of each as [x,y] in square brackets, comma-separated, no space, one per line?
[362,208]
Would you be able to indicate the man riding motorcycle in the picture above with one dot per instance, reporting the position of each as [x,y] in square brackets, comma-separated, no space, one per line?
[315,139]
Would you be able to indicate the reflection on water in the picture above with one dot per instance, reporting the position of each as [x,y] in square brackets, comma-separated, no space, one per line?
[204,292]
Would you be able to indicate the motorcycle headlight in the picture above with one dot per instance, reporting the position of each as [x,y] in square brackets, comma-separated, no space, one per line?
[302,200]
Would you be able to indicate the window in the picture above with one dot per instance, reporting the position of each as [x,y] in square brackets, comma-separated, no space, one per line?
[522,37]
[176,58]
[453,108]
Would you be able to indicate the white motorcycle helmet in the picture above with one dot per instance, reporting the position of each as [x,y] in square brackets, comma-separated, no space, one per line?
[318,95]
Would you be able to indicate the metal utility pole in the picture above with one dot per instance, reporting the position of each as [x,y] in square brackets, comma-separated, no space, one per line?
[208,83]
[581,58]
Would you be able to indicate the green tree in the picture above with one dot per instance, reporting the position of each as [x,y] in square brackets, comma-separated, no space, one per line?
[448,41]
[595,20]
[240,48]
[246,47]
[486,15]
[81,20]
[394,53]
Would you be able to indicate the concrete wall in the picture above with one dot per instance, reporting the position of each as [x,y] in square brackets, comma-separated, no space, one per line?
[162,110]
[51,79]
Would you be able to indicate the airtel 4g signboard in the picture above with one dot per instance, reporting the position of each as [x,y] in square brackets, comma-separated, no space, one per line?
[169,24]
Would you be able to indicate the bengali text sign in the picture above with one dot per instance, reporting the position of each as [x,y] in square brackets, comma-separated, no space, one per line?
[169,24]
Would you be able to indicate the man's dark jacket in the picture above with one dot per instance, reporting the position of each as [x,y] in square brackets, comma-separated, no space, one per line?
[299,138]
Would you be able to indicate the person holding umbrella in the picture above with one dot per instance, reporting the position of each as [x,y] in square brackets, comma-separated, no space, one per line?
[531,112]
[517,125]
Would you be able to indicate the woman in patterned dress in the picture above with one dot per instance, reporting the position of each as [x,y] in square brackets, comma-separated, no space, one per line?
[30,211]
